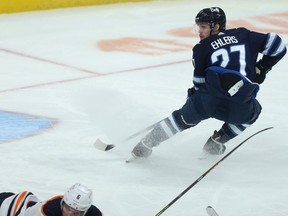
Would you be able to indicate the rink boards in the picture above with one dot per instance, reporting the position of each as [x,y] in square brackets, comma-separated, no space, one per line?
[13,6]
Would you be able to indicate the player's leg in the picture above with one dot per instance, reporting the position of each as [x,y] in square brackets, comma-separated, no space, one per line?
[215,144]
[180,120]
[161,132]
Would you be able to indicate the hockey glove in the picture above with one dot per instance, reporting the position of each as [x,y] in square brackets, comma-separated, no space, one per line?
[261,72]
[190,92]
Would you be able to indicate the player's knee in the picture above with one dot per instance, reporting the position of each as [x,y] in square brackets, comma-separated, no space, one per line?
[257,111]
[183,123]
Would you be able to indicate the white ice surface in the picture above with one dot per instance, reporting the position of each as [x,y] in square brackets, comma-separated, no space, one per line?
[50,65]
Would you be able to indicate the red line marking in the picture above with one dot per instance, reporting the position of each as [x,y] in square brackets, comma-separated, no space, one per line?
[47,61]
[94,74]
[149,67]
[46,84]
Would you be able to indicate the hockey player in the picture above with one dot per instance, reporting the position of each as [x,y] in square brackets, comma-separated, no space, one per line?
[77,201]
[226,80]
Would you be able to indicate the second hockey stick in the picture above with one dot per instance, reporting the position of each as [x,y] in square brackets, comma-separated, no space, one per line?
[204,174]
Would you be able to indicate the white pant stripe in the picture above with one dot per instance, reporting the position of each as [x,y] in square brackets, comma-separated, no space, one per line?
[246,125]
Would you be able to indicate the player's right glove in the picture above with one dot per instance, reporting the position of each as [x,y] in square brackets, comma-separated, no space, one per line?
[261,72]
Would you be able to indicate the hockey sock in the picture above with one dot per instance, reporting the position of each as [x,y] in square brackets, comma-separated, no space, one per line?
[161,132]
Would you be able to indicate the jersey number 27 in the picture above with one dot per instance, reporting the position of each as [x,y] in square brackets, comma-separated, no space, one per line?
[225,54]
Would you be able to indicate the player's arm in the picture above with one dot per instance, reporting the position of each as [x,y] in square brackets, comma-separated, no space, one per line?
[35,210]
[199,75]
[198,81]
[273,50]
[51,207]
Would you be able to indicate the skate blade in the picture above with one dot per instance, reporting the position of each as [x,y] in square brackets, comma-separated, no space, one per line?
[134,159]
[131,159]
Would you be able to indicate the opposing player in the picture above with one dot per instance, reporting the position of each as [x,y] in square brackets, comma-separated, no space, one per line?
[226,81]
[77,201]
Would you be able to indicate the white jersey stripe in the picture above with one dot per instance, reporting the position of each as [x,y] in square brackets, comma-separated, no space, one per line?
[279,49]
[271,38]
[16,205]
[199,80]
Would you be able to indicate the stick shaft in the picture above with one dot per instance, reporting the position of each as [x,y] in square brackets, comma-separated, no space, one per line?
[204,174]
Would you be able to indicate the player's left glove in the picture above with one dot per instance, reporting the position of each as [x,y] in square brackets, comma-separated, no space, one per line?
[190,92]
[261,72]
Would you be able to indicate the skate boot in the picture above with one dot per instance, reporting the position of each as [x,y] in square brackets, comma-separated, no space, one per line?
[162,131]
[215,144]
[141,150]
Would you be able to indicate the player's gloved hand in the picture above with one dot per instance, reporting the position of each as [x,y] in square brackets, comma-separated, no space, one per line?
[261,72]
[190,92]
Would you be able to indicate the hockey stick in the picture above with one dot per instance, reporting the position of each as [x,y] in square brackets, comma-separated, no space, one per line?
[203,175]
[103,146]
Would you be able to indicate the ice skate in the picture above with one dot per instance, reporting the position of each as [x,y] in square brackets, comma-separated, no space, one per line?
[215,145]
[161,132]
[141,150]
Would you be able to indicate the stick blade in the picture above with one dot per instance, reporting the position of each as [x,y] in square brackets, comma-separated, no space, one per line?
[103,146]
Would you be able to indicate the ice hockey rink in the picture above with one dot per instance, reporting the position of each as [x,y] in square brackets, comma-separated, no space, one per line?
[69,76]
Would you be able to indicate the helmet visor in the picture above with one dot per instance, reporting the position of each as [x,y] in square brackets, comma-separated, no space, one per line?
[195,29]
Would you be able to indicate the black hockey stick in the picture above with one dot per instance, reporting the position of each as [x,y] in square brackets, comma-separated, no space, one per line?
[203,175]
[101,145]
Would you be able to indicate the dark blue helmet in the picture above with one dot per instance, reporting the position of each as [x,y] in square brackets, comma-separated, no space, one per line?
[212,16]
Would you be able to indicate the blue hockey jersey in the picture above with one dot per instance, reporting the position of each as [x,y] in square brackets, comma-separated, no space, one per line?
[236,49]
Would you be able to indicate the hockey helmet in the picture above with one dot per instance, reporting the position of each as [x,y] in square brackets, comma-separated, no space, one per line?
[78,197]
[212,16]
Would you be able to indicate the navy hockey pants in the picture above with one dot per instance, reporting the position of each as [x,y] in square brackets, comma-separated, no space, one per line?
[202,105]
